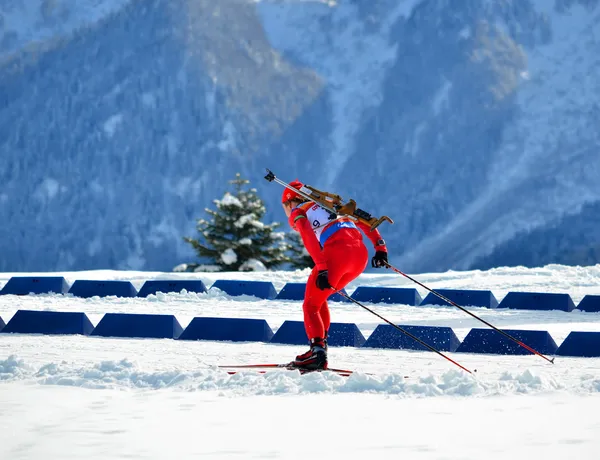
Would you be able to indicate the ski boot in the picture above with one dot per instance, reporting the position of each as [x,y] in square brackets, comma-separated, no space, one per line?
[314,359]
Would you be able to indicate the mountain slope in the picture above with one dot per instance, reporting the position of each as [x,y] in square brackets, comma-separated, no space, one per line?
[473,125]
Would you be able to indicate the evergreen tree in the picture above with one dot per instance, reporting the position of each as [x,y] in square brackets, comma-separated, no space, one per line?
[235,239]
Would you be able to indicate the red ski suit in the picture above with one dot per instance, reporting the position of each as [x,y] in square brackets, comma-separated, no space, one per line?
[335,245]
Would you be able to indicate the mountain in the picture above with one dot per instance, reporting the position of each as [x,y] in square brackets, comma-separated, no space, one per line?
[472,124]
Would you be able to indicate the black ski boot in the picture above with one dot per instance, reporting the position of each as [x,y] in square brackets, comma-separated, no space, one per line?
[315,358]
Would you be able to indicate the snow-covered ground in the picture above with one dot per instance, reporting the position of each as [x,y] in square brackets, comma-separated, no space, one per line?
[97,398]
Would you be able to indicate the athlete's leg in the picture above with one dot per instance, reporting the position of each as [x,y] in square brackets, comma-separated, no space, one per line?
[345,262]
[325,316]
[315,300]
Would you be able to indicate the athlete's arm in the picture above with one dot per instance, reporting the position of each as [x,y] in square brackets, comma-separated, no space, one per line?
[299,221]
[373,235]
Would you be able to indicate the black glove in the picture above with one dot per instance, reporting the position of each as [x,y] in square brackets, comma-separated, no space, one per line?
[322,281]
[379,259]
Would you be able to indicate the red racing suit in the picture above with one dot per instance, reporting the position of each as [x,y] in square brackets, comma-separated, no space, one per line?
[336,245]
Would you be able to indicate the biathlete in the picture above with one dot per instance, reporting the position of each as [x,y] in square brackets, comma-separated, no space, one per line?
[340,256]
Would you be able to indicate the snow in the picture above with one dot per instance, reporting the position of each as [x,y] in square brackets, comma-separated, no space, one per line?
[48,189]
[253,265]
[412,145]
[228,200]
[149,100]
[73,397]
[557,80]
[440,100]
[112,123]
[465,33]
[245,220]
[229,256]
[229,135]
[33,21]
[336,41]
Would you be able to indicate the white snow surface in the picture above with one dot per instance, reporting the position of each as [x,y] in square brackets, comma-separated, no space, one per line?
[73,397]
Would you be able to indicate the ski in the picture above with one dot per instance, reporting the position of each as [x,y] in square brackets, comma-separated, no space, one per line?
[262,368]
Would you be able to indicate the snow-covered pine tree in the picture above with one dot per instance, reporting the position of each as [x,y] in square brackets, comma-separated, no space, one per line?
[299,256]
[235,239]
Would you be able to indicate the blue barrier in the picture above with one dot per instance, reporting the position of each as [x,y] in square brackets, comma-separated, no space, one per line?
[260,289]
[2,324]
[48,322]
[577,343]
[132,325]
[537,301]
[590,303]
[291,332]
[345,335]
[295,291]
[403,296]
[233,329]
[386,336]
[292,291]
[492,342]
[154,286]
[340,334]
[462,297]
[91,288]
[23,285]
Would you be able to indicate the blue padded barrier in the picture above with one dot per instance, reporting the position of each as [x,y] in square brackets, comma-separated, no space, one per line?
[260,289]
[492,342]
[345,335]
[23,285]
[154,286]
[537,301]
[403,296]
[292,291]
[462,297]
[138,326]
[292,333]
[335,297]
[580,344]
[2,324]
[295,291]
[233,329]
[340,334]
[386,336]
[49,322]
[590,303]
[91,288]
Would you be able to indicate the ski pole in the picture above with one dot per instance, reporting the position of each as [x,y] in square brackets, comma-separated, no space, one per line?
[505,334]
[404,331]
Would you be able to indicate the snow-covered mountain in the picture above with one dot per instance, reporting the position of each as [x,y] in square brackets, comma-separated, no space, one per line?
[473,124]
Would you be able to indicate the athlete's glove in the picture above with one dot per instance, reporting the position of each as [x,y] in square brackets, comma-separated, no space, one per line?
[379,260]
[322,280]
